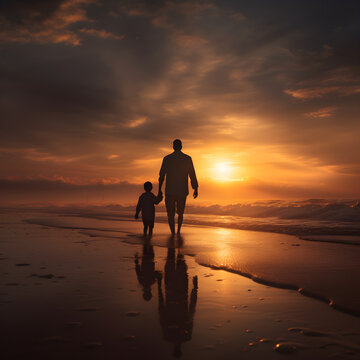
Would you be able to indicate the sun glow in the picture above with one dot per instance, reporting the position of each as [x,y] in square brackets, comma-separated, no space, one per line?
[223,171]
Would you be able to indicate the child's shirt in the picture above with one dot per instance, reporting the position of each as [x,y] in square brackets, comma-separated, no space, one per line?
[146,204]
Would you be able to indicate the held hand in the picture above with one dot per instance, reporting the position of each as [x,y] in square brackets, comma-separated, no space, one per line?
[195,193]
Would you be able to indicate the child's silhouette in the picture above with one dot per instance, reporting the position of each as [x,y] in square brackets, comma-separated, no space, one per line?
[146,203]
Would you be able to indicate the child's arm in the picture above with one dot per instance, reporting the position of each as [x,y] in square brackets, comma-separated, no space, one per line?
[138,208]
[158,198]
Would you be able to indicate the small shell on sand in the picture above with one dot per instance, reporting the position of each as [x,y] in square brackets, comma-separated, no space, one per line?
[265,340]
[288,347]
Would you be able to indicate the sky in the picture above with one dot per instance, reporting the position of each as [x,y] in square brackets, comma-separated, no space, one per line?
[263,94]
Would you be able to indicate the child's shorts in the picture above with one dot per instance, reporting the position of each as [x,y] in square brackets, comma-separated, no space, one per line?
[148,222]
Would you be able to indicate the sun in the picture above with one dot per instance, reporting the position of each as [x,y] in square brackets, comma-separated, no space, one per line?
[222,171]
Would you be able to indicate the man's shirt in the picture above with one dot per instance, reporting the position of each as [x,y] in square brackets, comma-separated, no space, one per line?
[178,167]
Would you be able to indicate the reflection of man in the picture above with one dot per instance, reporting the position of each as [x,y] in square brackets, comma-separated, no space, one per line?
[145,272]
[176,314]
[177,167]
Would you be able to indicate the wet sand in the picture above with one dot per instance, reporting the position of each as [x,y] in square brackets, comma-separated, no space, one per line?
[82,292]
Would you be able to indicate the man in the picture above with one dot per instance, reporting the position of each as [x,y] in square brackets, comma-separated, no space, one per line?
[177,167]
[176,308]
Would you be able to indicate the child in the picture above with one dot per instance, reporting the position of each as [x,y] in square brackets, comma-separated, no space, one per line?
[146,206]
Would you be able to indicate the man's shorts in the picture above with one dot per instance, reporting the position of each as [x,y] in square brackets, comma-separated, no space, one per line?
[172,202]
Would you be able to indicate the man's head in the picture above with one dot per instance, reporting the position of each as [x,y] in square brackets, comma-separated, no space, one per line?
[177,145]
[148,186]
[147,295]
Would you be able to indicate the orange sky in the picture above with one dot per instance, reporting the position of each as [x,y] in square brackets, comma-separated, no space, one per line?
[95,92]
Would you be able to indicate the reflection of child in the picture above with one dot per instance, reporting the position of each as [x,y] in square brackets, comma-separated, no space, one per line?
[145,270]
[146,206]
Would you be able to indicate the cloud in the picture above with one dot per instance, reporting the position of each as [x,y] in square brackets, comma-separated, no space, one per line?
[103,34]
[60,191]
[42,25]
[136,122]
[312,93]
[322,113]
[222,82]
[238,16]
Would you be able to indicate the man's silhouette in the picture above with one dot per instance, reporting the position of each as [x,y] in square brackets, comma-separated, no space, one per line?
[176,310]
[177,167]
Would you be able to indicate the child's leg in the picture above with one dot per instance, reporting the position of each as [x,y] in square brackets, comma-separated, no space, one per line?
[145,227]
[151,226]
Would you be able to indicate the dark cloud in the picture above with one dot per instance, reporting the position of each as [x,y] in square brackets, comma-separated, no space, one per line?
[82,81]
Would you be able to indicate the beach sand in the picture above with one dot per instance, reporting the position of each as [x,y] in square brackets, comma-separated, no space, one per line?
[77,288]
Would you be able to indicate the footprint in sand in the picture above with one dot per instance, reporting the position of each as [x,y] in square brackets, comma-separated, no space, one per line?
[132,313]
[74,324]
[93,345]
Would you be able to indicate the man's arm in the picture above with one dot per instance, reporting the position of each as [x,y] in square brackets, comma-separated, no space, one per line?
[193,180]
[162,174]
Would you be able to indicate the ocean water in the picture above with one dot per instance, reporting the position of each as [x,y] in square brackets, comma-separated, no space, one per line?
[317,220]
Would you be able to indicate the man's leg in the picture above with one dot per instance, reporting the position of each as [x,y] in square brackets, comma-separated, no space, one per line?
[170,208]
[180,221]
[171,220]
[180,208]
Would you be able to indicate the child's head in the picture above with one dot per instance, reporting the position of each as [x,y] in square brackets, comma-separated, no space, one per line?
[148,186]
